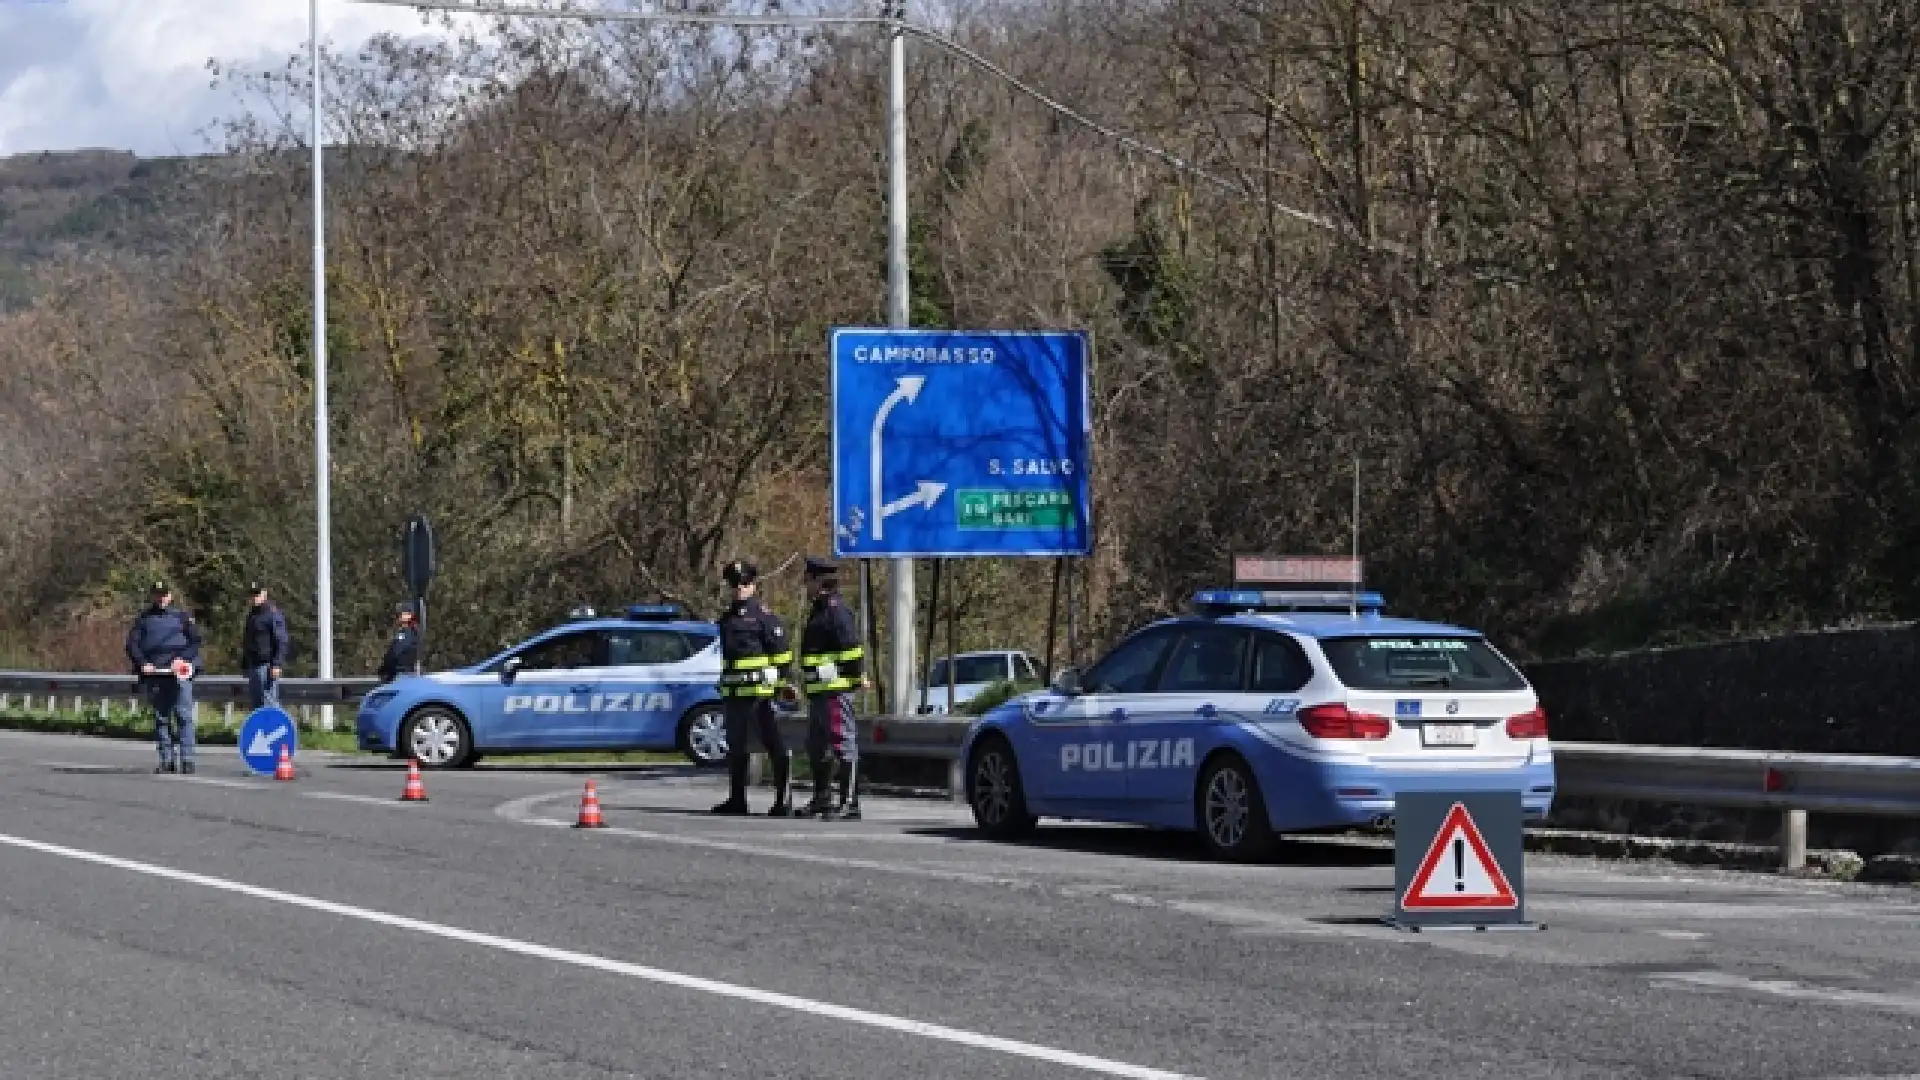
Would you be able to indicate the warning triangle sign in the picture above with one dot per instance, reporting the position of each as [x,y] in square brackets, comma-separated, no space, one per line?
[1458,871]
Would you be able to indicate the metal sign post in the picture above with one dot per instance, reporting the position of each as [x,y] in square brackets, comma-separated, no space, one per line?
[417,566]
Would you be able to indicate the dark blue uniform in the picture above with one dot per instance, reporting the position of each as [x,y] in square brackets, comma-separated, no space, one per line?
[833,664]
[161,635]
[753,650]
[403,653]
[263,651]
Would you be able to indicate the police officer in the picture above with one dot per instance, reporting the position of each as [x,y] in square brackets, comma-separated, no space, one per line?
[263,649]
[161,637]
[754,650]
[403,652]
[832,665]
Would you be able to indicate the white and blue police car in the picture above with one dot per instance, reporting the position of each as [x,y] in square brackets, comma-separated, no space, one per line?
[1264,712]
[644,681]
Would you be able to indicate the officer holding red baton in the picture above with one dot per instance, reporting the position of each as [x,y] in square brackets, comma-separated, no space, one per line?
[164,647]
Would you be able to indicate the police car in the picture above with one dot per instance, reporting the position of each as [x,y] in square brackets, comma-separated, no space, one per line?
[1264,712]
[646,681]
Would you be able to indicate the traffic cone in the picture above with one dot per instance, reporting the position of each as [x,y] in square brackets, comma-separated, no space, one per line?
[416,791]
[284,769]
[590,810]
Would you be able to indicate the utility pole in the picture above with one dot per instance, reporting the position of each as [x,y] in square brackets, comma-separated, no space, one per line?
[321,469]
[900,581]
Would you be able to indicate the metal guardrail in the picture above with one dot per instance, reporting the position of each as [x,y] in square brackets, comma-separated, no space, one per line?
[1792,783]
[1795,784]
[1747,779]
[76,689]
[215,688]
[911,738]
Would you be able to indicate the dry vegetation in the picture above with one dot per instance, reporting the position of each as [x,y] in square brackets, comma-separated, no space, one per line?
[1632,361]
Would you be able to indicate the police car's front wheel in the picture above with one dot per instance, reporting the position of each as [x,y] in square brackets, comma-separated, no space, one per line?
[1233,816]
[438,739]
[703,736]
[994,790]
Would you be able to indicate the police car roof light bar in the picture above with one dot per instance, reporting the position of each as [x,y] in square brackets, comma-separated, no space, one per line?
[1235,601]
[655,612]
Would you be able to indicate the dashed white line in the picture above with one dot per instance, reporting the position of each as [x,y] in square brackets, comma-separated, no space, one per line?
[212,781]
[1787,988]
[344,796]
[521,811]
[808,1006]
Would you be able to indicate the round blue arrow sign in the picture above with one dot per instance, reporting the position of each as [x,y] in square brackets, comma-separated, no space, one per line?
[265,731]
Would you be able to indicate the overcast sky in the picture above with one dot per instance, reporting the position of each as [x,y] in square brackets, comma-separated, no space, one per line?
[132,74]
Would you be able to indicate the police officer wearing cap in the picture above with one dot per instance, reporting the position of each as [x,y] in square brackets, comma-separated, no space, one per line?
[263,649]
[833,665]
[403,652]
[164,647]
[754,649]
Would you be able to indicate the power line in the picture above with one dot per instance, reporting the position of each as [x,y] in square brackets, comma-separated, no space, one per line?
[1180,164]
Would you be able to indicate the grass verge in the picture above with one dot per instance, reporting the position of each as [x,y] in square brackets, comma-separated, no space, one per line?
[138,728]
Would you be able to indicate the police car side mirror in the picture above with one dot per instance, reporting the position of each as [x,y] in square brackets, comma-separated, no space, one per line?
[510,670]
[1067,683]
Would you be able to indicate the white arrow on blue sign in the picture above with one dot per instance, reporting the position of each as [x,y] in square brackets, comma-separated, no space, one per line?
[262,735]
[959,443]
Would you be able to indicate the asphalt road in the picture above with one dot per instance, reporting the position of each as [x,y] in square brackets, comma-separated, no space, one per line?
[224,926]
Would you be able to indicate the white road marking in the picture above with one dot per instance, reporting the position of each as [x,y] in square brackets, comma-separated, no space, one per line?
[1241,920]
[856,837]
[521,811]
[243,785]
[1787,988]
[883,1021]
[1753,910]
[344,796]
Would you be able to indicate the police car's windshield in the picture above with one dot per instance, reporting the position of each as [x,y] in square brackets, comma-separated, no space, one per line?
[1411,663]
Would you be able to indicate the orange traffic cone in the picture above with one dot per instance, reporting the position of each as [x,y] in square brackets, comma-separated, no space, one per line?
[590,810]
[416,791]
[283,770]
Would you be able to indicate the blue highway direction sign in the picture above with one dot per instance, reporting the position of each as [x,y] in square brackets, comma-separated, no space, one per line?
[957,444]
[262,735]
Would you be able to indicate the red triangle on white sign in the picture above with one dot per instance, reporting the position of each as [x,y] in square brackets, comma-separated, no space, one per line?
[1458,871]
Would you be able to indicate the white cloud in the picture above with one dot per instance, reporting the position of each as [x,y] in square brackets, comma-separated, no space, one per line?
[132,74]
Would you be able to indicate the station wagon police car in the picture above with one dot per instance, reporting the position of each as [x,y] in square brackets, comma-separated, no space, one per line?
[1264,712]
[643,682]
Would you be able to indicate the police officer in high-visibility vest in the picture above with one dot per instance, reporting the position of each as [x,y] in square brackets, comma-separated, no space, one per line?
[755,652]
[832,665]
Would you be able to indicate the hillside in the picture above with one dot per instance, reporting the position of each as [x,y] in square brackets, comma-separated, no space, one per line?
[85,202]
[1627,343]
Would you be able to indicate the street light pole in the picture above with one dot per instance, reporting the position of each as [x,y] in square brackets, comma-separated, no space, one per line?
[321,467]
[900,581]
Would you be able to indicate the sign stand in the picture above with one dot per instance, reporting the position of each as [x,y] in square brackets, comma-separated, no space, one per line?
[1053,619]
[1459,862]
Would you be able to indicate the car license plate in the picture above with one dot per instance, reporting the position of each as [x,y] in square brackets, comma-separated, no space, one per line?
[1446,734]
